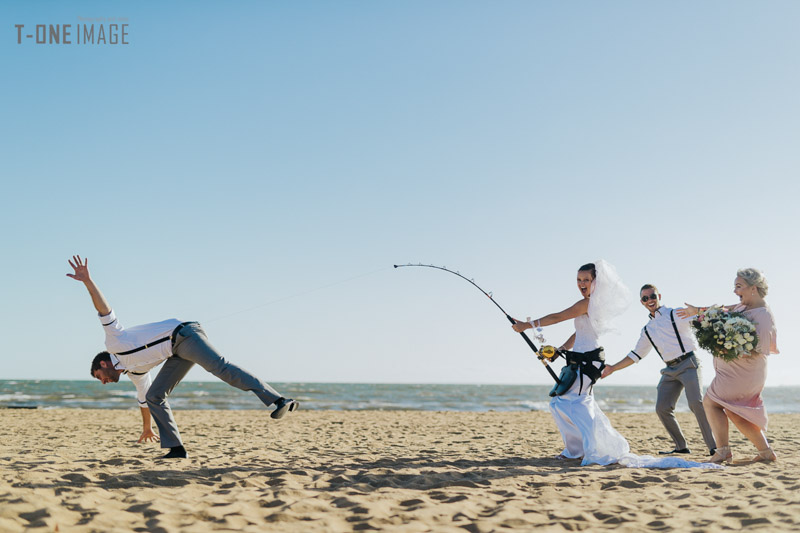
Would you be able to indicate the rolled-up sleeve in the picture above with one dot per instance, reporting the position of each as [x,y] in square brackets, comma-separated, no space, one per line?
[110,324]
[142,383]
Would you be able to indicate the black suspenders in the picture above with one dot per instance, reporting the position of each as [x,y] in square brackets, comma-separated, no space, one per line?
[672,317]
[654,344]
[139,349]
[146,346]
[678,335]
[150,345]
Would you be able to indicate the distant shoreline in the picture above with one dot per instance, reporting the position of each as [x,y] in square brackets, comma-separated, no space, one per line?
[215,395]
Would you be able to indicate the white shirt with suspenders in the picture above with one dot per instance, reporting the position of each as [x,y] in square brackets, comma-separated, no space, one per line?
[138,349]
[669,335]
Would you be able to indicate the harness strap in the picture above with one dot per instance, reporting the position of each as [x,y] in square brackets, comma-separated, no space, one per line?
[582,361]
[672,317]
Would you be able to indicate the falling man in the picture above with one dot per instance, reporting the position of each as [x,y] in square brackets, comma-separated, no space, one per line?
[179,346]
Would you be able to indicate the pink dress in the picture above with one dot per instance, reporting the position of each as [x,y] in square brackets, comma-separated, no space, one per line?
[738,384]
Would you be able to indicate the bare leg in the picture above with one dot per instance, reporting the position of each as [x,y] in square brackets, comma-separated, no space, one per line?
[718,421]
[750,430]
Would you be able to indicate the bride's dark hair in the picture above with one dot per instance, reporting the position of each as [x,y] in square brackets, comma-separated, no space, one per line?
[589,267]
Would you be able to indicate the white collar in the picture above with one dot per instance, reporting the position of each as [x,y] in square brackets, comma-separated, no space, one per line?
[116,362]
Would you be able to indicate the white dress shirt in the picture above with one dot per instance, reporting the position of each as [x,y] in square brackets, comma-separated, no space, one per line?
[137,365]
[663,334]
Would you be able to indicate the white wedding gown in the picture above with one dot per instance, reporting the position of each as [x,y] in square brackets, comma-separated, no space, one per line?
[587,432]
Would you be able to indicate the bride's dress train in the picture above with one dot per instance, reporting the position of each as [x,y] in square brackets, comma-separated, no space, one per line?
[588,434]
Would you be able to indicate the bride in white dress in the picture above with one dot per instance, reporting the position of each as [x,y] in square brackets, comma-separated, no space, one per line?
[586,431]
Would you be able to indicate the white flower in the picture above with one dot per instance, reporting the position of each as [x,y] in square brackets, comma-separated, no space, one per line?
[748,347]
[728,345]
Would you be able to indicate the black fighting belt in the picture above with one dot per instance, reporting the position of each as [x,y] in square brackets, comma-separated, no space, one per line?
[579,363]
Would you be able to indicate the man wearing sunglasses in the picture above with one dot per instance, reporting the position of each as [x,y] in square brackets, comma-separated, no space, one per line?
[671,337]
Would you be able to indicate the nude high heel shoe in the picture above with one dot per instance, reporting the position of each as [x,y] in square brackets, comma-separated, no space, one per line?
[766,455]
[722,455]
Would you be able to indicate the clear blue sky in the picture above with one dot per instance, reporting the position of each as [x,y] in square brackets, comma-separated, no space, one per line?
[238,160]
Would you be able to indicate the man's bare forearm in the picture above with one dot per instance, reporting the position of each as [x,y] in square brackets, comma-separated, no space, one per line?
[98,299]
[147,430]
[145,418]
[81,273]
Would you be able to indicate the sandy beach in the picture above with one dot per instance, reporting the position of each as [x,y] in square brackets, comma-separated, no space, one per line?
[81,470]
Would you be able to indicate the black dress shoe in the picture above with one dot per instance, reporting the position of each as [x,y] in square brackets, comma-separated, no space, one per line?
[676,450]
[178,452]
[283,406]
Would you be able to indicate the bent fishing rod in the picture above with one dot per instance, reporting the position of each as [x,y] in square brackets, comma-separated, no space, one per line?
[546,354]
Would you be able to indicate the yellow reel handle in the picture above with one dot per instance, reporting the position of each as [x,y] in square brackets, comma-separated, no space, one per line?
[548,352]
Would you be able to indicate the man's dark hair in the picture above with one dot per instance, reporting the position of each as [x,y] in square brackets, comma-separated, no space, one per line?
[649,286]
[102,356]
[589,267]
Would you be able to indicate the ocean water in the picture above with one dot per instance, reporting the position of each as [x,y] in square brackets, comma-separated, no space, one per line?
[348,396]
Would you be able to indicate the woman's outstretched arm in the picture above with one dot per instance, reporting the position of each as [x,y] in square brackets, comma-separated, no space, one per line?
[577,309]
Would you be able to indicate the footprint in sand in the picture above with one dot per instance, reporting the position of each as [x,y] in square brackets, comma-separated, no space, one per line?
[35,518]
[143,509]
[747,522]
[413,504]
[76,478]
[120,462]
[271,503]
[343,503]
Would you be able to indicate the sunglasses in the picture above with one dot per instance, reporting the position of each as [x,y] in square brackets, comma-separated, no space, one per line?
[645,298]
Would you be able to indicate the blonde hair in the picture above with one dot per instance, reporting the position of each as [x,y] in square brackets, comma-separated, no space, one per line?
[754,278]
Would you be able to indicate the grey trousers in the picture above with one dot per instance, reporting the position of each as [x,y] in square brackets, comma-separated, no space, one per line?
[189,347]
[685,376]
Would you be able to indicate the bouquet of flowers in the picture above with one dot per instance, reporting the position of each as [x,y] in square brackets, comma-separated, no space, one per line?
[724,333]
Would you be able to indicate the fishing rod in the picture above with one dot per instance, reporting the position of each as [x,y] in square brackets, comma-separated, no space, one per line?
[546,354]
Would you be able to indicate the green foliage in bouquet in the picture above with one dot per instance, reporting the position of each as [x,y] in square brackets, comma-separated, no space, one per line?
[725,334]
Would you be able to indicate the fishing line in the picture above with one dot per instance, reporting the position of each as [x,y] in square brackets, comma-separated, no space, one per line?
[542,357]
[271,302]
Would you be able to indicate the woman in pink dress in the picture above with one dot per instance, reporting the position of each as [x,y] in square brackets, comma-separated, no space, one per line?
[735,392]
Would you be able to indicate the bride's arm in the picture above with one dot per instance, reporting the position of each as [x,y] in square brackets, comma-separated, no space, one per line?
[576,310]
[568,344]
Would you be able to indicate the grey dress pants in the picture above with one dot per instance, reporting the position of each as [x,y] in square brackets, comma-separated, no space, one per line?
[684,376]
[189,347]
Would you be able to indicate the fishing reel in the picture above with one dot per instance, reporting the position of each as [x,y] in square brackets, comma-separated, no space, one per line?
[548,352]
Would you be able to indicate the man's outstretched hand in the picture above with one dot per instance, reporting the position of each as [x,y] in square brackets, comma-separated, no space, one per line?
[81,273]
[81,269]
[148,435]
